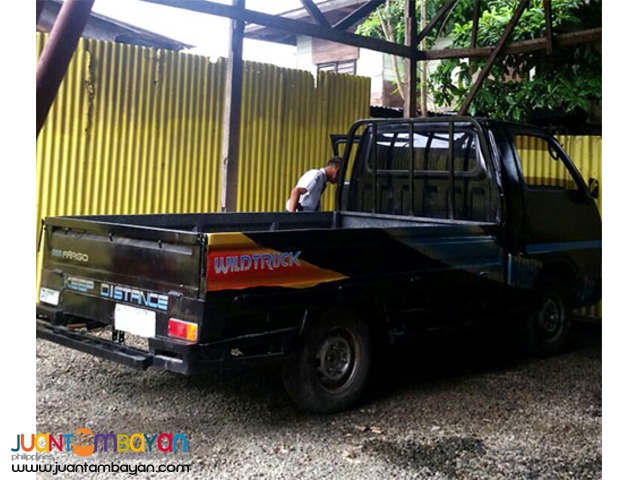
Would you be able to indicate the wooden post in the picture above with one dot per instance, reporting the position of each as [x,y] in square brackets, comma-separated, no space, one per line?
[476,21]
[232,113]
[548,26]
[424,65]
[411,63]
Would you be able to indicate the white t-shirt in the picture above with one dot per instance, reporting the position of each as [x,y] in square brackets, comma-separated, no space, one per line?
[314,181]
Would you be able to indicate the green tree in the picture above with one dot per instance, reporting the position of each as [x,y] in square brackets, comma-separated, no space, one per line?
[567,80]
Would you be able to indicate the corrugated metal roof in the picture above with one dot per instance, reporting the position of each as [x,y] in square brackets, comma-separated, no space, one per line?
[111,29]
[333,11]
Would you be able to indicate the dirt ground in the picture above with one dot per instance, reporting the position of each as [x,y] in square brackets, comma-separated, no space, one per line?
[458,408]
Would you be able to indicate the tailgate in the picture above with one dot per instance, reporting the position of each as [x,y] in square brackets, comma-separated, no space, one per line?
[95,272]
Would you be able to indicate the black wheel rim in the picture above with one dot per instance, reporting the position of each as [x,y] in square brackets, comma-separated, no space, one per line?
[551,318]
[337,360]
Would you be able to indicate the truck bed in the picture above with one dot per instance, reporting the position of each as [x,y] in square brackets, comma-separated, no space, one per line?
[256,222]
[193,254]
[199,268]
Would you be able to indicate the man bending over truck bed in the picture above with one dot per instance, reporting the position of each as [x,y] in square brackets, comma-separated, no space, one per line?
[305,196]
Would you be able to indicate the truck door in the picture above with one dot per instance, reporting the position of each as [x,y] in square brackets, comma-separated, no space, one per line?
[558,208]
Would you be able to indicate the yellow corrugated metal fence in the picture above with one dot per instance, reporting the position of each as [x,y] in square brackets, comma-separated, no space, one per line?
[138,130]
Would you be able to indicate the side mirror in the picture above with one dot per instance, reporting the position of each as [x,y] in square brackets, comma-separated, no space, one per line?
[594,187]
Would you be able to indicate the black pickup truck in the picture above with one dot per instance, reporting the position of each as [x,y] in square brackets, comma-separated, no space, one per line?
[438,221]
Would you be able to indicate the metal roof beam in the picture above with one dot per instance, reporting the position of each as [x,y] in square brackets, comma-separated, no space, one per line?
[293,26]
[315,13]
[358,14]
[561,40]
[437,17]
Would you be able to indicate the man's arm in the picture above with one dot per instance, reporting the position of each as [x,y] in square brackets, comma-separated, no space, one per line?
[296,193]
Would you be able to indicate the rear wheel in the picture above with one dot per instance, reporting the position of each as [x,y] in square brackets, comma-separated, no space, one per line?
[329,371]
[549,320]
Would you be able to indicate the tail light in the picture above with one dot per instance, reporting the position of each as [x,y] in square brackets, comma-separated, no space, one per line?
[182,329]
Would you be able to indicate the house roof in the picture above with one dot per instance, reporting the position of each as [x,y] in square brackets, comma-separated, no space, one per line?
[332,10]
[102,27]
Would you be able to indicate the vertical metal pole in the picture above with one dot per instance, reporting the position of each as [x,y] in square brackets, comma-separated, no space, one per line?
[411,166]
[232,116]
[410,64]
[375,167]
[57,54]
[452,193]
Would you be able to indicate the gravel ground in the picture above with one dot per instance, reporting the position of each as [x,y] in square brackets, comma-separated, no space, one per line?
[463,408]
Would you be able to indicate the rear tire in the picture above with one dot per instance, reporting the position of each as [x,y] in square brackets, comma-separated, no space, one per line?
[548,322]
[330,369]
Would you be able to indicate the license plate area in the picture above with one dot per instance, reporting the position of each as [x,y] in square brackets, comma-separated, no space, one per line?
[136,321]
[51,297]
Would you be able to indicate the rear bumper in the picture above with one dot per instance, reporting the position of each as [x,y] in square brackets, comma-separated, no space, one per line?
[118,353]
[169,354]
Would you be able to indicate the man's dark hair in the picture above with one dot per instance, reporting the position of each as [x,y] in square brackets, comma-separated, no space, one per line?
[335,161]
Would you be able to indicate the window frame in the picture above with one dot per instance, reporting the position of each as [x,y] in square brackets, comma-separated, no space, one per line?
[322,67]
[582,188]
[484,170]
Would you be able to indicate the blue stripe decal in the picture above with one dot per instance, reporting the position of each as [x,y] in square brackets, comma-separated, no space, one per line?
[564,246]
